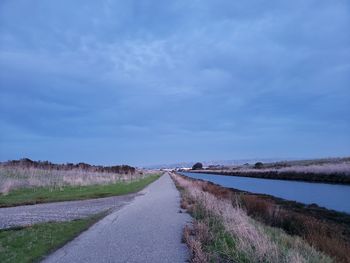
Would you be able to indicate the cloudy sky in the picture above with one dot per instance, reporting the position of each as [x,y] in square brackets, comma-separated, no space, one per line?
[153,81]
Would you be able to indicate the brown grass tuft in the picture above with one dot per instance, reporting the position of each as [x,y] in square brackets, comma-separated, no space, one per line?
[192,239]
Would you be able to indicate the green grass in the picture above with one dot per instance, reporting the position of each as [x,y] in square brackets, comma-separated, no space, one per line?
[28,196]
[30,244]
[222,245]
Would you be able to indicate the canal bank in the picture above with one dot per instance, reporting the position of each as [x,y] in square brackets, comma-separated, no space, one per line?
[330,196]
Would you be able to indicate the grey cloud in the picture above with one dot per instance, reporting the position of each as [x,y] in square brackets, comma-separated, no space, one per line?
[237,76]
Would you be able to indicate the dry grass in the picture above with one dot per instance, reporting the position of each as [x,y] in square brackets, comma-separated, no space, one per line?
[337,172]
[327,232]
[21,177]
[195,244]
[326,236]
[341,168]
[224,232]
[326,169]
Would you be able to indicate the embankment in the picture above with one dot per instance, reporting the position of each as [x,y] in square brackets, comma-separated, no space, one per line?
[326,231]
[333,178]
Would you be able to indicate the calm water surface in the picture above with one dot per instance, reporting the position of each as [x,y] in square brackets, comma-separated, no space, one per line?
[331,196]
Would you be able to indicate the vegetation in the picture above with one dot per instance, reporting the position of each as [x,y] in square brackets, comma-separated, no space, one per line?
[333,170]
[28,163]
[197,166]
[25,196]
[324,170]
[28,244]
[216,234]
[258,165]
[290,175]
[29,174]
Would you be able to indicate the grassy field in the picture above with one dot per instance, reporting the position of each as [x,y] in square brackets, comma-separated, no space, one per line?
[25,196]
[30,244]
[15,177]
[335,171]
[222,231]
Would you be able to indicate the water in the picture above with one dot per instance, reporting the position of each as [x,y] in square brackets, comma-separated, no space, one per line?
[331,196]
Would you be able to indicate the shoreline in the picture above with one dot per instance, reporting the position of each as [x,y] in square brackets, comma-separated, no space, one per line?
[286,176]
[327,230]
[313,209]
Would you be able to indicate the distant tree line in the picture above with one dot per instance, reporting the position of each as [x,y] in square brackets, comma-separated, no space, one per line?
[28,163]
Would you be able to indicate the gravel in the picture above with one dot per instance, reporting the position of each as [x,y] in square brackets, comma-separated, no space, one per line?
[59,211]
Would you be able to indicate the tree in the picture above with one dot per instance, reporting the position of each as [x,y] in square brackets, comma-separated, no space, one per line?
[258,165]
[197,166]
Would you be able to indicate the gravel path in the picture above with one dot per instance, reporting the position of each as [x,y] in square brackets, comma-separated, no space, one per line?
[60,211]
[149,229]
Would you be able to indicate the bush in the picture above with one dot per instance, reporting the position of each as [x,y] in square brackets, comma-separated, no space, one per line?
[197,166]
[258,165]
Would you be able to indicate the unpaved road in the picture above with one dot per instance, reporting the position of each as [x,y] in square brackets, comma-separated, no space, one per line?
[149,229]
[60,211]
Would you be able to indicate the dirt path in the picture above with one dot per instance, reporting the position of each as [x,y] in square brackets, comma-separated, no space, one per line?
[59,211]
[149,229]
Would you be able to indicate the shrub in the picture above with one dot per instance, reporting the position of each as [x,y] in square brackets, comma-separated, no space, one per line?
[197,166]
[258,165]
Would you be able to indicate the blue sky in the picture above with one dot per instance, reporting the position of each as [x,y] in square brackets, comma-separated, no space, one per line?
[146,82]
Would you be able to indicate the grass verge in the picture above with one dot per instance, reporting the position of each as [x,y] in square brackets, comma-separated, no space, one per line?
[223,232]
[32,243]
[327,231]
[29,196]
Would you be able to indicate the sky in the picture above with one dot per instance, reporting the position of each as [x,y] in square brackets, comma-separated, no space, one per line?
[151,81]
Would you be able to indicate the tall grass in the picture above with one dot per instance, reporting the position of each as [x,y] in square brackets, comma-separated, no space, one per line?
[224,232]
[12,177]
[338,173]
[328,231]
[30,196]
[326,169]
[337,168]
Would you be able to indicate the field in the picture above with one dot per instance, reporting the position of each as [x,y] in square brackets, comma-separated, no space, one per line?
[15,177]
[235,226]
[42,183]
[35,195]
[335,170]
[26,182]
